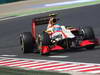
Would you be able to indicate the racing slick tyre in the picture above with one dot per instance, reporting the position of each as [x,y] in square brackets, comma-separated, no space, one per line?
[88,34]
[27,42]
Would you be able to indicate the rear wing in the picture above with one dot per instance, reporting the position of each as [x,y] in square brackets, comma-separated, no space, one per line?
[44,19]
[41,21]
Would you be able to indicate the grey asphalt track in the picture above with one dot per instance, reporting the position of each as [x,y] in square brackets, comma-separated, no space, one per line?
[89,15]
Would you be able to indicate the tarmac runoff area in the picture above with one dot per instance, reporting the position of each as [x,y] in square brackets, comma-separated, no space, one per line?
[20,10]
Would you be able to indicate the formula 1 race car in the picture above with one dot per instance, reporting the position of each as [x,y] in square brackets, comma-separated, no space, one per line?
[44,44]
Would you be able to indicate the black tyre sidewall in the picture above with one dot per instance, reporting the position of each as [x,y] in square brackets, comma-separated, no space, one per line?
[28,41]
[88,33]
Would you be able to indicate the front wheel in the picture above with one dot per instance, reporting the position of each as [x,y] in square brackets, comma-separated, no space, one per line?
[88,34]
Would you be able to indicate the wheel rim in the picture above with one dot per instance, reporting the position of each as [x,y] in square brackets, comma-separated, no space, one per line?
[83,32]
[22,42]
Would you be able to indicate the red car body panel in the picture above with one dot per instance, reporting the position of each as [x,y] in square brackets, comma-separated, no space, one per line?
[86,43]
[34,29]
[46,49]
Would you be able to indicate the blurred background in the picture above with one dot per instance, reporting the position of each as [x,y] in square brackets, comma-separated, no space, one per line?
[8,1]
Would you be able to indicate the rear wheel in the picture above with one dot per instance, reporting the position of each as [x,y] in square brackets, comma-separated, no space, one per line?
[27,42]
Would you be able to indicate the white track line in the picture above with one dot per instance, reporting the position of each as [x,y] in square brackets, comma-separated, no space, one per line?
[68,2]
[95,72]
